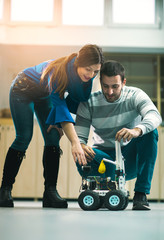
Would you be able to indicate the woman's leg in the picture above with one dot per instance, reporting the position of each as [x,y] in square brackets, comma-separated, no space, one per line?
[22,111]
[22,114]
[51,157]
[51,152]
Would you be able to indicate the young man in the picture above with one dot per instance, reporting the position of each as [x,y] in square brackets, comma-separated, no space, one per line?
[125,114]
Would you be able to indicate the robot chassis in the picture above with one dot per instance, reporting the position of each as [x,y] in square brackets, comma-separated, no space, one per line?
[97,192]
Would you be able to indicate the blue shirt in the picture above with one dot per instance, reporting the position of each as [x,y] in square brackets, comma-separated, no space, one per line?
[78,91]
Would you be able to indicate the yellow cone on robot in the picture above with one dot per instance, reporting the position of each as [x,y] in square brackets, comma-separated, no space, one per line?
[102,167]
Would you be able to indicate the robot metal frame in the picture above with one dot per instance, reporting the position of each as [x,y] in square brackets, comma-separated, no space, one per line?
[96,192]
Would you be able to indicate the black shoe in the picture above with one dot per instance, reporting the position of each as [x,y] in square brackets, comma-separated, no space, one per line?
[5,197]
[51,199]
[140,201]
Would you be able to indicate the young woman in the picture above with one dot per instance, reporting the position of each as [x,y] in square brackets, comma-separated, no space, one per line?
[42,90]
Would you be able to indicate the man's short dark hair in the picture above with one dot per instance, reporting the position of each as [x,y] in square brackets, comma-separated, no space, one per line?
[112,68]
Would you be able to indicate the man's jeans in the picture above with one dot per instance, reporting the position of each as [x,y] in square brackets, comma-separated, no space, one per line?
[140,157]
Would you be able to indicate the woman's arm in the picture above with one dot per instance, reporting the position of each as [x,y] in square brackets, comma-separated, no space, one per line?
[77,151]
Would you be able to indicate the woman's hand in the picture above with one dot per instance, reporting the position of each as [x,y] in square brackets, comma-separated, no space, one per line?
[78,154]
[77,151]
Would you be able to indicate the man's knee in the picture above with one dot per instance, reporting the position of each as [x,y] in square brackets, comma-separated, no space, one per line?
[151,136]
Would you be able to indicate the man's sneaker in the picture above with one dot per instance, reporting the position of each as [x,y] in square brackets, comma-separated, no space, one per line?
[140,201]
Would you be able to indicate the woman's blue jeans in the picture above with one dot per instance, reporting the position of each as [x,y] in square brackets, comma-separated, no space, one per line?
[23,107]
[140,157]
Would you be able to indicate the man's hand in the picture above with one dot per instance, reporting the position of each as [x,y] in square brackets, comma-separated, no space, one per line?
[127,134]
[89,153]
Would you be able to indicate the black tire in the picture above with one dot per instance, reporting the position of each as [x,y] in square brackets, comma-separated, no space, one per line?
[89,200]
[126,203]
[101,205]
[115,200]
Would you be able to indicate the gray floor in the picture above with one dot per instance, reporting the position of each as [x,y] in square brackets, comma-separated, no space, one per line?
[28,221]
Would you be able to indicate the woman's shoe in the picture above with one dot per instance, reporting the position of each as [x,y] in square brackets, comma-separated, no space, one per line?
[5,197]
[51,199]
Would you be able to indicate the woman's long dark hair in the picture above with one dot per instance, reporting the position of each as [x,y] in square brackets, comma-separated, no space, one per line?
[87,56]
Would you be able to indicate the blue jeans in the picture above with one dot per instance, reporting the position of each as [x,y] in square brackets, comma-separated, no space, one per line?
[140,157]
[23,105]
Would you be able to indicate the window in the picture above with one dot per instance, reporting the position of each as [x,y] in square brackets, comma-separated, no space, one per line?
[133,12]
[32,10]
[103,13]
[83,12]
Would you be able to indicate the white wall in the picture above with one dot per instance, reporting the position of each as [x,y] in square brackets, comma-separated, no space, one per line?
[77,36]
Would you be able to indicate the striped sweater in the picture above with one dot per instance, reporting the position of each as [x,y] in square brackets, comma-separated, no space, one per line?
[133,109]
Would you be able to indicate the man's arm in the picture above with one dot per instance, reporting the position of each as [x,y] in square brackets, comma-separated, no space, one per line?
[82,127]
[151,118]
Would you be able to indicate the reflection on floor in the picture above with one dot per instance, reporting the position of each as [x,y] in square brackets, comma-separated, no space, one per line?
[29,221]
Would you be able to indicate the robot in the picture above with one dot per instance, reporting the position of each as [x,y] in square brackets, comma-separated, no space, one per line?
[97,192]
